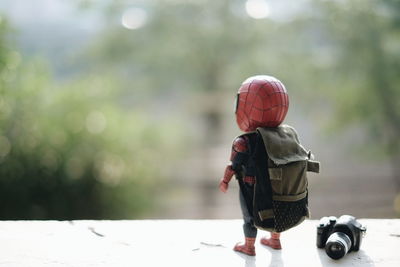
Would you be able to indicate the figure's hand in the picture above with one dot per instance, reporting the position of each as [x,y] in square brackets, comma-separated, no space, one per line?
[223,186]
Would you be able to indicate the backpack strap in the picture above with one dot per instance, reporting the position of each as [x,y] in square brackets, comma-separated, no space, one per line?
[313,166]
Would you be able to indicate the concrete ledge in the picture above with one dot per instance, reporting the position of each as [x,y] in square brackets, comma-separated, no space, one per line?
[179,243]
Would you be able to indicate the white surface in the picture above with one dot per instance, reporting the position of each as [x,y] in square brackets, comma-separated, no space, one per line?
[179,243]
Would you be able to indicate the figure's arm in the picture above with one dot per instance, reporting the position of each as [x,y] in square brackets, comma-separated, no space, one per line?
[239,147]
[223,185]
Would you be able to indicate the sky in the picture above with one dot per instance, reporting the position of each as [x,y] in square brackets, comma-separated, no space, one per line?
[63,11]
[55,29]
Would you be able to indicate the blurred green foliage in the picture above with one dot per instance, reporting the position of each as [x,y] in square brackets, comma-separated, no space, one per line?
[339,54]
[341,58]
[95,146]
[368,66]
[70,151]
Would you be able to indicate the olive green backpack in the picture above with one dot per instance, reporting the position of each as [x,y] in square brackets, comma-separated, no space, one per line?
[281,192]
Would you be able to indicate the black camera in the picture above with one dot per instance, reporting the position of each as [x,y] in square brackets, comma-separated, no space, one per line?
[339,236]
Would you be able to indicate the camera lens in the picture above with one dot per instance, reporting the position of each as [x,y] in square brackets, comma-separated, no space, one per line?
[338,245]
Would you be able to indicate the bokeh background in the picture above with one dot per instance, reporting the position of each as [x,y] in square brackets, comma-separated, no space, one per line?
[124,109]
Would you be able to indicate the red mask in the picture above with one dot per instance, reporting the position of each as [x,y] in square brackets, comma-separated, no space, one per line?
[262,101]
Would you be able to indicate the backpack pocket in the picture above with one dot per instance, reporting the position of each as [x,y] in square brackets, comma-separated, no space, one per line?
[289,182]
[289,214]
[289,194]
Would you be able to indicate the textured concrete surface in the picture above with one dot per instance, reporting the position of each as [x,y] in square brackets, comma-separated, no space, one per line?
[179,243]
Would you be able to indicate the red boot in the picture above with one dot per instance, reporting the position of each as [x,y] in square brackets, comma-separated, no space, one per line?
[246,248]
[272,242]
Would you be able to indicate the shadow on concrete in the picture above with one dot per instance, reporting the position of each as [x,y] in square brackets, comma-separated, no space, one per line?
[276,258]
[355,258]
[366,260]
[249,261]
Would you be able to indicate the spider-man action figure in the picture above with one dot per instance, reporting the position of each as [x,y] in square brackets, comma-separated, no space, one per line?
[262,101]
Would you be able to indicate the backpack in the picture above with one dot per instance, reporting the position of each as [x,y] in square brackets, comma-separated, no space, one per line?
[280,199]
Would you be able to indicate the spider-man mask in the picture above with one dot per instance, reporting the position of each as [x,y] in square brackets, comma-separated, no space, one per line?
[262,101]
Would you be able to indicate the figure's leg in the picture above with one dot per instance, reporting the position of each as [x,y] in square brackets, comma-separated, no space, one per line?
[250,232]
[273,242]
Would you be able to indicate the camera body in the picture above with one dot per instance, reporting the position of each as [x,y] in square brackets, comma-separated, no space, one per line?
[339,236]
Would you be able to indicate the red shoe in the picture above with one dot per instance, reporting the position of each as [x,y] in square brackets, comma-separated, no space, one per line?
[272,242]
[246,248]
